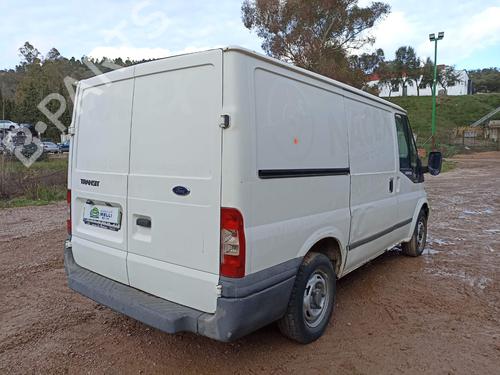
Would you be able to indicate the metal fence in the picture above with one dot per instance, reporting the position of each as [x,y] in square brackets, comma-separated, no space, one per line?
[473,138]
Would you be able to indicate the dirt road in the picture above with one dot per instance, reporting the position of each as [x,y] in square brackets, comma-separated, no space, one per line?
[437,314]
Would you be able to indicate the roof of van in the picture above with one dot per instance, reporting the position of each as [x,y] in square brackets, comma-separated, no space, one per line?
[313,75]
[126,71]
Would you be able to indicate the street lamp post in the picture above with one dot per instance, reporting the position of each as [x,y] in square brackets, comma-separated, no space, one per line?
[432,38]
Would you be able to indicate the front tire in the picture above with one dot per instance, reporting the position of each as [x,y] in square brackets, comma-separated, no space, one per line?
[312,300]
[415,247]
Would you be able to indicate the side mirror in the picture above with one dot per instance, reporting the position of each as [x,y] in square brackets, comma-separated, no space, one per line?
[435,163]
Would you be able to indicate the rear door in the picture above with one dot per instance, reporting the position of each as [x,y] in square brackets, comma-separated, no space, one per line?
[99,173]
[175,179]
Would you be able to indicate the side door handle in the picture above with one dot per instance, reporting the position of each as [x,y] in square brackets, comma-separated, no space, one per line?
[391,185]
[143,222]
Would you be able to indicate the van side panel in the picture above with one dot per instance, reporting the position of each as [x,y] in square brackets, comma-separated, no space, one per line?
[293,160]
[373,182]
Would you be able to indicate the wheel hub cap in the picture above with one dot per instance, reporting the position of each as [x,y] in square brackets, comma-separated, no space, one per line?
[420,235]
[316,299]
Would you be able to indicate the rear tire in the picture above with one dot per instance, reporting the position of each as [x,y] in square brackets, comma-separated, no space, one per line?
[312,300]
[416,245]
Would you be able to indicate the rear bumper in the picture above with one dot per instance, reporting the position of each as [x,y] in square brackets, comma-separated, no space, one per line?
[236,316]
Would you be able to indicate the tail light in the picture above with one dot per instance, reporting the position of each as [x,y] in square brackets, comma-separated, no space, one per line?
[232,237]
[68,222]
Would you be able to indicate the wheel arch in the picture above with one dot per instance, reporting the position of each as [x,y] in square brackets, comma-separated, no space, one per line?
[330,245]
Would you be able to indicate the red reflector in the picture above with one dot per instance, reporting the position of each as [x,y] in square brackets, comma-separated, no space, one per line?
[68,222]
[232,243]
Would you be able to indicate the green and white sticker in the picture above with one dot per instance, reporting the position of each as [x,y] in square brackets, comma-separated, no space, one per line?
[103,216]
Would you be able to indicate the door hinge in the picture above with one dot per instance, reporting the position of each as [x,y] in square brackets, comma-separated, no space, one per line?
[224,124]
[219,290]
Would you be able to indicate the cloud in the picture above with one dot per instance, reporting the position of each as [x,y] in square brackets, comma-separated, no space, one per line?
[163,28]
[466,32]
[475,33]
[394,31]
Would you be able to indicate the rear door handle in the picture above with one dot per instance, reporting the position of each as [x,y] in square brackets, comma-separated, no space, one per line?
[143,222]
[391,185]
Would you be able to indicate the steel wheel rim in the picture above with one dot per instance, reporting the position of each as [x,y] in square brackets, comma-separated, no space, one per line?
[420,235]
[316,299]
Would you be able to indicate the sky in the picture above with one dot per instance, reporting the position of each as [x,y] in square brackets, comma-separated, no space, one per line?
[157,28]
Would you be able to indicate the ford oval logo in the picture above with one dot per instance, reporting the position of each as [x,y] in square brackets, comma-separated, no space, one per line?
[181,190]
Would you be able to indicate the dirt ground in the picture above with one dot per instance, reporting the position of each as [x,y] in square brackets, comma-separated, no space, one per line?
[436,314]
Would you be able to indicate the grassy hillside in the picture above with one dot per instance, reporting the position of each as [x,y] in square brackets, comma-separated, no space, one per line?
[451,112]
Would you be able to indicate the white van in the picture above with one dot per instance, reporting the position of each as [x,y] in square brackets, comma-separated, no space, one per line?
[219,191]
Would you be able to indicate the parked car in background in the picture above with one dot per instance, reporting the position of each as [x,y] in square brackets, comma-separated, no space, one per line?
[63,147]
[12,139]
[24,138]
[29,127]
[50,147]
[8,125]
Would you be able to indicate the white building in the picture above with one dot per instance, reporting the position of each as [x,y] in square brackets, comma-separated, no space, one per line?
[463,87]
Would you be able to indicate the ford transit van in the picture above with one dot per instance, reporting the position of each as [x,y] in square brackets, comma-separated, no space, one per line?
[220,191]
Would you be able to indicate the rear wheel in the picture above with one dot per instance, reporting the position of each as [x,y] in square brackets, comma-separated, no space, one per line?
[312,300]
[416,245]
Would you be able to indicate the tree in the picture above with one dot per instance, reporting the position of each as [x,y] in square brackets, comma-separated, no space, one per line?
[447,76]
[427,74]
[317,34]
[486,80]
[53,55]
[2,104]
[368,63]
[407,66]
[29,53]
[29,93]
[363,66]
[388,75]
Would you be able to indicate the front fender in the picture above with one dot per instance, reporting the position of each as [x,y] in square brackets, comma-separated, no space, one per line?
[418,208]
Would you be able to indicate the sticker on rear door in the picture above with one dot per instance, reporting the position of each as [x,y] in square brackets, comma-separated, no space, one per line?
[102,216]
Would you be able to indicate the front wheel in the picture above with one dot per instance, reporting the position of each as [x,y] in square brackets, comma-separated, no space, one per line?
[416,245]
[312,300]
